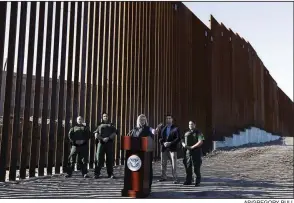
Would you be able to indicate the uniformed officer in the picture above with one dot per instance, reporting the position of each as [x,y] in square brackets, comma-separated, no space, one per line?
[79,135]
[105,134]
[191,142]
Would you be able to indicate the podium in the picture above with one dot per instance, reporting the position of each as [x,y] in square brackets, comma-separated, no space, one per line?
[138,163]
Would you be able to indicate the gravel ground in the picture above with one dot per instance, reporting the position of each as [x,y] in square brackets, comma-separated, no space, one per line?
[255,172]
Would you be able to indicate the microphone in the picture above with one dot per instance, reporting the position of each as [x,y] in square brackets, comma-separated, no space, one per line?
[128,134]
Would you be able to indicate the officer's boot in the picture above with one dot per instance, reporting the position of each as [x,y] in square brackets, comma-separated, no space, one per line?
[198,176]
[188,166]
[70,169]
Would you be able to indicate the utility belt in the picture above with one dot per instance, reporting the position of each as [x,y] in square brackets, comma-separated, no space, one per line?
[102,142]
[79,145]
[194,151]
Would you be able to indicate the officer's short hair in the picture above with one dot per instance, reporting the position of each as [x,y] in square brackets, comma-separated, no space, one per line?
[104,113]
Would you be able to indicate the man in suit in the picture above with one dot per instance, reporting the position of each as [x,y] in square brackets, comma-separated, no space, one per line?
[169,137]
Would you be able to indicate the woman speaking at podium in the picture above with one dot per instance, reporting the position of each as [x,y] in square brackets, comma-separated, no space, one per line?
[143,130]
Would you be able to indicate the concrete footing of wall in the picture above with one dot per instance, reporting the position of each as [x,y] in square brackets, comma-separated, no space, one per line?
[249,136]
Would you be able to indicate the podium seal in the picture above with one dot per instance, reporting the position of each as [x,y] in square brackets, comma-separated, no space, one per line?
[134,163]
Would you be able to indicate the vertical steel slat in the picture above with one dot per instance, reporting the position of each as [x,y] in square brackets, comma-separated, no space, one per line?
[90,50]
[134,85]
[108,52]
[27,125]
[230,78]
[118,101]
[100,63]
[68,104]
[112,73]
[130,67]
[175,56]
[137,88]
[103,100]
[160,64]
[140,68]
[133,115]
[154,72]
[165,55]
[101,43]
[134,64]
[44,132]
[209,127]
[94,78]
[83,61]
[151,66]
[8,92]
[169,58]
[164,59]
[95,66]
[77,63]
[148,66]
[124,78]
[14,154]
[144,57]
[162,77]
[61,97]
[3,14]
[52,140]
[159,68]
[36,123]
[103,92]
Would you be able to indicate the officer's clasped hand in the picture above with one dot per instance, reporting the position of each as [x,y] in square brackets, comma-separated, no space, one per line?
[105,139]
[79,142]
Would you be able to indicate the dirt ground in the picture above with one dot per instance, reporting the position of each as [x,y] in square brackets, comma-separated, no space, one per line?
[251,172]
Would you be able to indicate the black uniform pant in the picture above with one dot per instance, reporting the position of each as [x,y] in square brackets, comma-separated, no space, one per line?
[192,158]
[82,152]
[79,162]
[102,149]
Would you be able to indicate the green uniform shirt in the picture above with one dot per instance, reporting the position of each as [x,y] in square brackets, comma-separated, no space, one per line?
[192,137]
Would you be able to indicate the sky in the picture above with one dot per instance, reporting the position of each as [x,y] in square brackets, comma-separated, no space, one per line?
[268,26]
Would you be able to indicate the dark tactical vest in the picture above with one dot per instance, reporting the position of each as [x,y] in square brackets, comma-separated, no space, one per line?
[191,138]
[105,129]
[80,132]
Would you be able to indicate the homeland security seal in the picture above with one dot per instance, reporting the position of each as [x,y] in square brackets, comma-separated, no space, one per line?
[134,163]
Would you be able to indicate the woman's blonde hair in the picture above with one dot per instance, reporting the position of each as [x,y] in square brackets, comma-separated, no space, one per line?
[138,120]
